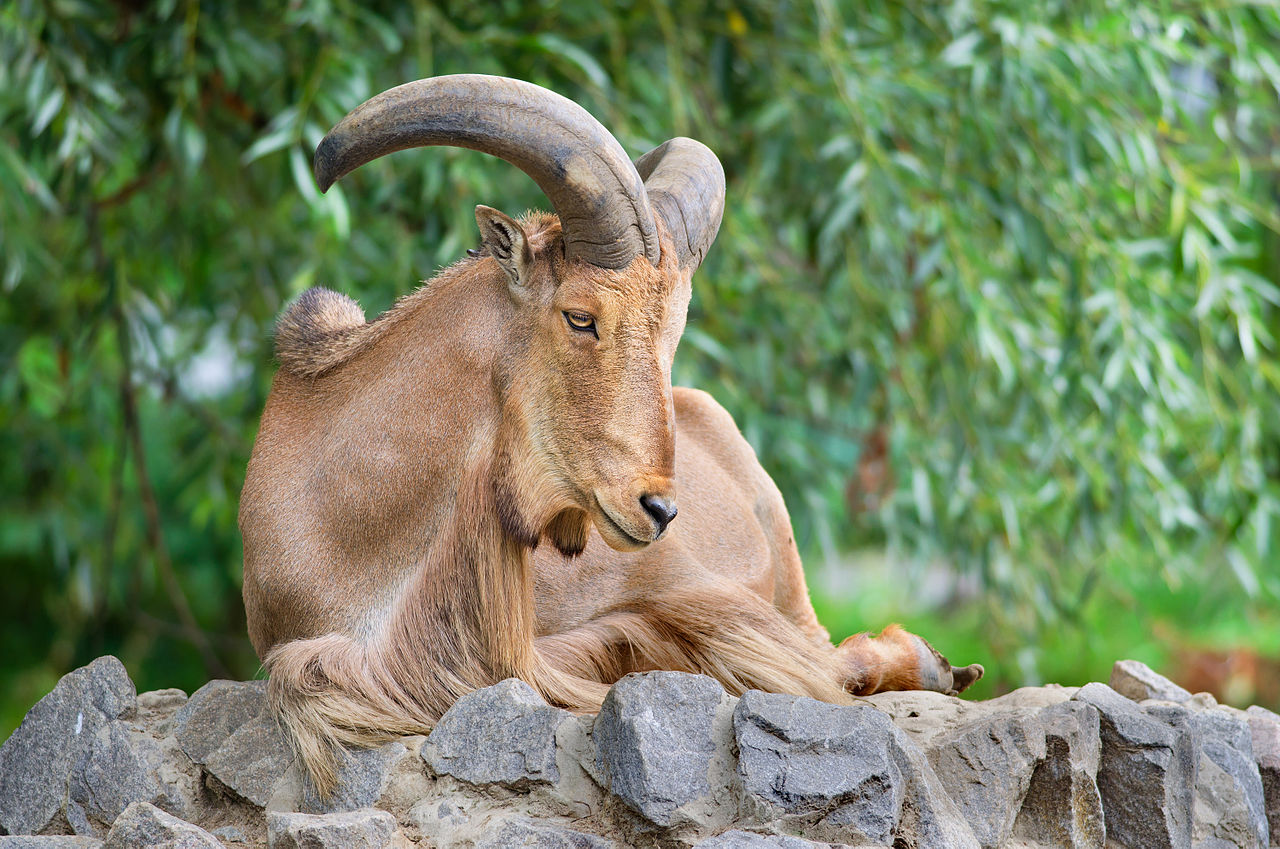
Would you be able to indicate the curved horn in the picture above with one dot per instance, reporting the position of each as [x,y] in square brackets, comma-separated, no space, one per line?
[604,211]
[685,184]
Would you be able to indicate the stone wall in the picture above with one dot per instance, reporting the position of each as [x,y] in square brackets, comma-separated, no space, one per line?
[670,761]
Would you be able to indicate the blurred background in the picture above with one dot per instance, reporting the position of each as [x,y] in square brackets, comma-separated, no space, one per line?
[994,300]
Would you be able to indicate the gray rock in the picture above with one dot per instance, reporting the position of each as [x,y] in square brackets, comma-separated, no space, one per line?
[738,839]
[504,734]
[1137,681]
[229,834]
[27,841]
[654,740]
[986,766]
[227,727]
[114,774]
[1063,806]
[55,739]
[142,824]
[1264,729]
[252,759]
[841,771]
[158,700]
[1229,793]
[215,712]
[181,782]
[361,778]
[522,833]
[367,829]
[1147,773]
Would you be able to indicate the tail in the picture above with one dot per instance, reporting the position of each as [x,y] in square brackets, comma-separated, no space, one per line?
[330,692]
[320,330]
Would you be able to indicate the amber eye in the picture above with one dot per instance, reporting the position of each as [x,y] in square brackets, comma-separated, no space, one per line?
[580,321]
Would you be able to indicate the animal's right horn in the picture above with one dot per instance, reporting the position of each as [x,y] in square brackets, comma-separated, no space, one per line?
[604,211]
[685,183]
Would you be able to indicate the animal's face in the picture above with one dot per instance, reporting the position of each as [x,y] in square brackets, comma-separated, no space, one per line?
[594,383]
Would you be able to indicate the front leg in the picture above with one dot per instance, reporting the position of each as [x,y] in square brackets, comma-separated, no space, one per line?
[900,660]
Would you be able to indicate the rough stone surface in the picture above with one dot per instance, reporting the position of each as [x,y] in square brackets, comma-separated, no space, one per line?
[672,762]
[842,771]
[1063,806]
[70,731]
[368,829]
[655,738]
[215,712]
[252,759]
[738,839]
[361,779]
[226,728]
[1147,773]
[116,773]
[230,834]
[504,734]
[1229,794]
[522,833]
[142,824]
[986,767]
[1264,729]
[1135,680]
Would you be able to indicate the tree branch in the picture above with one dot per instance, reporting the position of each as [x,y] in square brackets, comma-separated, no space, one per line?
[150,508]
[133,438]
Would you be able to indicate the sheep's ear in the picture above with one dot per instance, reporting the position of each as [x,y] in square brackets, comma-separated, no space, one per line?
[504,240]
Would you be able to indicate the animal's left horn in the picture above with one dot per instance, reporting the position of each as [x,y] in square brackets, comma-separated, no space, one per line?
[604,211]
[685,184]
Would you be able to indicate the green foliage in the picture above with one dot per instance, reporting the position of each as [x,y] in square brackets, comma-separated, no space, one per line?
[996,286]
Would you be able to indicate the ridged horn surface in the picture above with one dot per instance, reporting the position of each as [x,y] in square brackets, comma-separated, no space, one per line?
[685,184]
[600,198]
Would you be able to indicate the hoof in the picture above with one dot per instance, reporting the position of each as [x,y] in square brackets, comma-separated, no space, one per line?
[937,673]
[963,677]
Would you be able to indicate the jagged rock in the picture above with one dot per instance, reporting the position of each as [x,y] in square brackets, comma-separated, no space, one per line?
[685,762]
[655,737]
[61,737]
[986,767]
[361,778]
[142,824]
[1063,806]
[504,734]
[215,712]
[114,775]
[1264,730]
[841,772]
[1229,794]
[738,839]
[1147,773]
[1137,681]
[252,759]
[227,728]
[522,833]
[367,829]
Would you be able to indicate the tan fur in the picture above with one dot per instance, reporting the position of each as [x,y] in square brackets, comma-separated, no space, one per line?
[408,470]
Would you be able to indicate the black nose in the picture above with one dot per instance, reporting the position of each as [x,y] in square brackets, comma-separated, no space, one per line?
[662,510]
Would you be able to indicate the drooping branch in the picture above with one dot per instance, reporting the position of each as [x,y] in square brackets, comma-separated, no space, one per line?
[133,445]
[150,508]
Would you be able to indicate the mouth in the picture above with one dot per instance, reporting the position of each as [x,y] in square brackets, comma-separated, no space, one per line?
[617,529]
